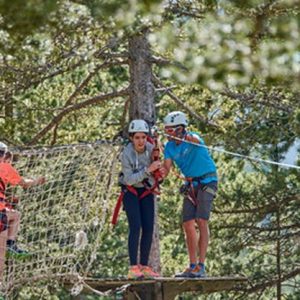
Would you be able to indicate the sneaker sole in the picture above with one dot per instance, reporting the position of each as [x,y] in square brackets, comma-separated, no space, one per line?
[197,276]
[136,278]
[183,276]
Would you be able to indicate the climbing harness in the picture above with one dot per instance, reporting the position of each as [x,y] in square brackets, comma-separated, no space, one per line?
[131,189]
[154,189]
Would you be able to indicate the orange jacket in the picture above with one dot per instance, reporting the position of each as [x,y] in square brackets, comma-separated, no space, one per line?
[8,175]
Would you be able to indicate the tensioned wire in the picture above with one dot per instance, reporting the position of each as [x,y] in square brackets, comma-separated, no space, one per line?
[234,153]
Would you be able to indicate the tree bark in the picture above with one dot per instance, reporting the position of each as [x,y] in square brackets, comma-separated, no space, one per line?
[141,93]
[142,90]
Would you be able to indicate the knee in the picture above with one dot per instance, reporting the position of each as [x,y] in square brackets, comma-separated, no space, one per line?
[202,223]
[148,230]
[18,215]
[189,225]
[135,229]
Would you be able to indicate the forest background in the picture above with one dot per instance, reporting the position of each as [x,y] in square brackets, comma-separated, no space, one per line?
[232,66]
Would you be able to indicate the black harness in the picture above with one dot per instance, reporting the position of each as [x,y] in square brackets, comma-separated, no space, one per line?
[200,178]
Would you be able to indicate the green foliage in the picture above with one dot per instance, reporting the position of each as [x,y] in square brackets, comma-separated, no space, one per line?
[236,63]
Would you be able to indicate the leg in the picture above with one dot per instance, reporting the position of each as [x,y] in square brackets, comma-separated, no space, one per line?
[131,206]
[14,218]
[3,239]
[203,239]
[205,196]
[191,239]
[147,219]
[189,227]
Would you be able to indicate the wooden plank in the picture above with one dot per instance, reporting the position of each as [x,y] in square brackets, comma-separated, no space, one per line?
[165,288]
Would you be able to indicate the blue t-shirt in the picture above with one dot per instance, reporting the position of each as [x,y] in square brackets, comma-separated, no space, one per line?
[192,160]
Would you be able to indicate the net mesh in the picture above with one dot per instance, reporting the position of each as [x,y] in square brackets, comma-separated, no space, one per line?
[61,220]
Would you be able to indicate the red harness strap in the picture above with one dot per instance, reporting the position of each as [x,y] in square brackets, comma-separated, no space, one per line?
[117,209]
[132,190]
[153,190]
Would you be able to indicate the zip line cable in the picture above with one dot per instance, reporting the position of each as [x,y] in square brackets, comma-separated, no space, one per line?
[236,154]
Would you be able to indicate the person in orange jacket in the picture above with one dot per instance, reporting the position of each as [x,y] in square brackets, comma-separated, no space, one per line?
[9,217]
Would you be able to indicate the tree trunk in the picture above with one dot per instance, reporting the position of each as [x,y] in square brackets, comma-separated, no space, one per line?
[141,86]
[142,107]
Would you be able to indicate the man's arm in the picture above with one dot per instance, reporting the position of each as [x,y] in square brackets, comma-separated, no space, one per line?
[27,183]
[13,178]
[167,167]
[192,138]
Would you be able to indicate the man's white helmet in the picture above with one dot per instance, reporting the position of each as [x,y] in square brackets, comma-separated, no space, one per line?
[175,118]
[138,126]
[3,147]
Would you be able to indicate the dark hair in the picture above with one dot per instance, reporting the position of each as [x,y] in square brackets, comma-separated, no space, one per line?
[131,134]
[8,155]
[2,153]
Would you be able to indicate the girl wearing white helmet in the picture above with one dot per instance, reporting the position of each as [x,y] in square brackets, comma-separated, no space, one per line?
[137,167]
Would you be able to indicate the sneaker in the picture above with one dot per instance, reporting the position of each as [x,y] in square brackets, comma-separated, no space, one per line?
[14,251]
[185,274]
[135,273]
[198,272]
[148,272]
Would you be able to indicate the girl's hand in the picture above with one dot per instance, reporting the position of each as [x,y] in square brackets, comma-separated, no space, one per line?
[40,180]
[154,166]
[163,172]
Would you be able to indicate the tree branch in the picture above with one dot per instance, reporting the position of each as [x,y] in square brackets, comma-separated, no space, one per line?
[270,283]
[181,103]
[248,98]
[75,107]
[259,229]
[34,73]
[261,209]
[87,79]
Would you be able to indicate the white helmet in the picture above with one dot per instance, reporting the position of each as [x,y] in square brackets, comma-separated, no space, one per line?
[138,126]
[175,118]
[3,147]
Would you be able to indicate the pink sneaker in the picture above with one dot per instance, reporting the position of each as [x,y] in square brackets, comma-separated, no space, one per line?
[148,272]
[135,272]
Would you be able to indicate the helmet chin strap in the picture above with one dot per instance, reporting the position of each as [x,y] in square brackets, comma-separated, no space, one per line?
[180,133]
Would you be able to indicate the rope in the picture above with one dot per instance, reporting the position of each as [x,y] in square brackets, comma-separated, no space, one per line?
[62,220]
[81,284]
[235,154]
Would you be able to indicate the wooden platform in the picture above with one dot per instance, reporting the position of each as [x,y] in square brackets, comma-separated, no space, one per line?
[164,288]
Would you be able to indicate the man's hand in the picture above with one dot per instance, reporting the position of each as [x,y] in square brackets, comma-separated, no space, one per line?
[167,167]
[155,154]
[192,138]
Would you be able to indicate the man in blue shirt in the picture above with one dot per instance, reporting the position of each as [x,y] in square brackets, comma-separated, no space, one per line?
[187,150]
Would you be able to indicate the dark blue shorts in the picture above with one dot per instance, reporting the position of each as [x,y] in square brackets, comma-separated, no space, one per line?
[205,195]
